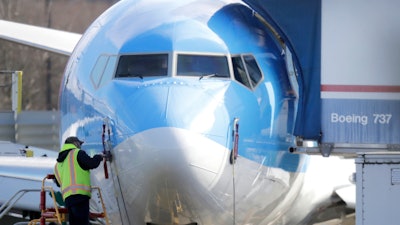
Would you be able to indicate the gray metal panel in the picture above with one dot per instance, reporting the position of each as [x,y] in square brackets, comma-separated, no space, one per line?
[7,132]
[33,128]
[378,189]
[38,128]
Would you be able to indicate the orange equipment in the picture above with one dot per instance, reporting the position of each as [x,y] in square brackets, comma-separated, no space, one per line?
[59,214]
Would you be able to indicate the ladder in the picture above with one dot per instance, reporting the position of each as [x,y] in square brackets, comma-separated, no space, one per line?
[59,214]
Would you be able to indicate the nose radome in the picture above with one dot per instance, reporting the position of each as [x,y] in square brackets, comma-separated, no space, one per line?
[183,126]
[195,159]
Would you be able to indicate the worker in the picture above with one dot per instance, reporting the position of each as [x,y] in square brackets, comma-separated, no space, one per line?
[72,172]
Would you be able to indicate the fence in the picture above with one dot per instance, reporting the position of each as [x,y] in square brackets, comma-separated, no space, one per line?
[33,128]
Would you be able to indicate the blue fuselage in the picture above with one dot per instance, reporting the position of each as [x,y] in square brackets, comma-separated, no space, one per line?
[176,82]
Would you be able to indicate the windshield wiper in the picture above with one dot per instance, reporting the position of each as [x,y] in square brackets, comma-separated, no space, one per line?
[211,75]
[208,75]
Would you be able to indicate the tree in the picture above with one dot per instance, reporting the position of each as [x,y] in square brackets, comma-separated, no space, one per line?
[42,70]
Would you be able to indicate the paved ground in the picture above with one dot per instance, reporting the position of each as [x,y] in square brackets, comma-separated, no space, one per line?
[348,220]
[8,220]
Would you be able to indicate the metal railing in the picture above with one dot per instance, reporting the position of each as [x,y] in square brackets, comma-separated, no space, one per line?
[7,206]
[32,128]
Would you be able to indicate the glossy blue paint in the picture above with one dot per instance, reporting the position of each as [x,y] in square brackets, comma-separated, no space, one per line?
[303,29]
[173,123]
[138,104]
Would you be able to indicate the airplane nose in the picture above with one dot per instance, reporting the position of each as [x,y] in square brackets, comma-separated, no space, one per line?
[165,168]
[174,147]
[181,129]
[180,156]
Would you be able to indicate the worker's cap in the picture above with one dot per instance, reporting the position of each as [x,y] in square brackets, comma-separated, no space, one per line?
[72,140]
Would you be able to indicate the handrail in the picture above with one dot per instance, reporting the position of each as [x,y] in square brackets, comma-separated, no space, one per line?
[58,214]
[5,208]
[104,213]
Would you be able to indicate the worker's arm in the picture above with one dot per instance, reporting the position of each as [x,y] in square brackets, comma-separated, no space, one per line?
[86,162]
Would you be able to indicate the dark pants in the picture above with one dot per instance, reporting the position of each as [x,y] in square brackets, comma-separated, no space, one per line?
[79,212]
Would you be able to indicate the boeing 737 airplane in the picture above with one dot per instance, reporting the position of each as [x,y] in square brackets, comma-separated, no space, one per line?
[196,101]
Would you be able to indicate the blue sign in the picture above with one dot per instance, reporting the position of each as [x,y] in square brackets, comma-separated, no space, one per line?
[360,121]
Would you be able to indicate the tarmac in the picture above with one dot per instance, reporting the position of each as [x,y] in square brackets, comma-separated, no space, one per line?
[10,220]
[348,220]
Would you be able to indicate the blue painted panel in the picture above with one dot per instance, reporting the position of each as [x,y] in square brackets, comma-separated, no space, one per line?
[300,26]
[360,121]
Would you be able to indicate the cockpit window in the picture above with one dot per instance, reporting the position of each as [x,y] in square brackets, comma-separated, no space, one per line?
[202,66]
[142,65]
[103,70]
[252,69]
[240,71]
[246,70]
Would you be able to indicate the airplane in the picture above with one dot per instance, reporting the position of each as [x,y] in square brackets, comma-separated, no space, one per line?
[196,101]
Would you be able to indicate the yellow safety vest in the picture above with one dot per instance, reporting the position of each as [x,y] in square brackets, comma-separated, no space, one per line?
[71,177]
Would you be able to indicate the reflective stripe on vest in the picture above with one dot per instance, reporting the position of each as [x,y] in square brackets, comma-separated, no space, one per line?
[75,188]
[57,174]
[74,179]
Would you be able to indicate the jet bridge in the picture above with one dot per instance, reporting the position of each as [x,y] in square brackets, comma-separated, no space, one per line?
[354,110]
[360,83]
